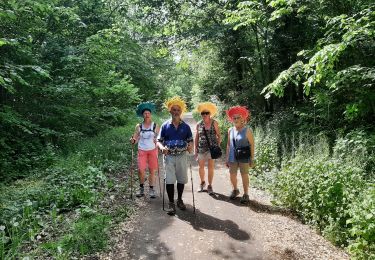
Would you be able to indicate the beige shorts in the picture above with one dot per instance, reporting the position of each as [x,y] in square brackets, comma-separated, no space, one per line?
[176,167]
[204,156]
[244,167]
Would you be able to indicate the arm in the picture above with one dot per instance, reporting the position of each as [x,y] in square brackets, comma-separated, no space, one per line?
[190,141]
[196,141]
[135,137]
[218,134]
[159,142]
[250,138]
[228,146]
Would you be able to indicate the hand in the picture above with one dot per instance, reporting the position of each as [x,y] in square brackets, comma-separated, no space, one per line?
[132,140]
[196,156]
[165,150]
[227,164]
[252,164]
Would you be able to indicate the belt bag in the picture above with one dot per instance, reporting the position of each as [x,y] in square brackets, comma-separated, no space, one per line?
[215,152]
[242,153]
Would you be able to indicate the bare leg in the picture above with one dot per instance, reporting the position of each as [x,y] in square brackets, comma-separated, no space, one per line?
[211,164]
[151,180]
[233,180]
[201,169]
[141,175]
[245,182]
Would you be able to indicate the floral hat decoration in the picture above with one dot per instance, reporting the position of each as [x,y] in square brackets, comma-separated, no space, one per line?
[176,101]
[207,106]
[238,110]
[145,106]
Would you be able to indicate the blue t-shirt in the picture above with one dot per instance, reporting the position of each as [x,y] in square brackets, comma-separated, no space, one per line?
[176,139]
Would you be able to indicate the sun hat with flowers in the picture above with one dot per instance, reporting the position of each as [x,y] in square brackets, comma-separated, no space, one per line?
[238,110]
[207,106]
[176,101]
[145,106]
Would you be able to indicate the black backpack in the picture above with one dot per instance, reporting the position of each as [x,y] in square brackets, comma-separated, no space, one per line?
[147,130]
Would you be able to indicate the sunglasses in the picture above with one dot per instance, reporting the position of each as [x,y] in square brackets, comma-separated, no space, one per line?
[205,113]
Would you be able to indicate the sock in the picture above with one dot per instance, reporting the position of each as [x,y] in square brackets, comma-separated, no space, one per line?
[151,187]
[141,185]
[170,192]
[180,190]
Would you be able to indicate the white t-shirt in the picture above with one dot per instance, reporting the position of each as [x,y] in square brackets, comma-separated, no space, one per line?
[147,138]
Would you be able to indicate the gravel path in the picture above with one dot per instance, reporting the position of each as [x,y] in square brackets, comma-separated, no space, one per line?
[219,229]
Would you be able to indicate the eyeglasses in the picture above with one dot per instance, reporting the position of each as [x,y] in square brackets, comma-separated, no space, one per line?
[205,113]
[237,117]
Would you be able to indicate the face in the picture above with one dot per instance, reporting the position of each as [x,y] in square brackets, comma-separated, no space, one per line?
[176,111]
[237,119]
[146,114]
[205,114]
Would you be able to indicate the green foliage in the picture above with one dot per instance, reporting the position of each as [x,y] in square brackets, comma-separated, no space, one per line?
[75,181]
[88,235]
[362,225]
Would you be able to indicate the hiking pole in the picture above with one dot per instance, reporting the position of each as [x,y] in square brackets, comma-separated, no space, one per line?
[164,185]
[131,173]
[192,187]
[159,178]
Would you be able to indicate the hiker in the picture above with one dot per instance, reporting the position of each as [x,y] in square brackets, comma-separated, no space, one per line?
[206,128]
[145,134]
[175,140]
[240,150]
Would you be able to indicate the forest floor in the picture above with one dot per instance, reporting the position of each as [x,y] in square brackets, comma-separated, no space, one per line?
[220,228]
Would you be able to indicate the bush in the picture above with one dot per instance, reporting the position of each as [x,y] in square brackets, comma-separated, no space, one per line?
[362,225]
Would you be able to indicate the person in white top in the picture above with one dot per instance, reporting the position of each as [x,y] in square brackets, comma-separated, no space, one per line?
[145,134]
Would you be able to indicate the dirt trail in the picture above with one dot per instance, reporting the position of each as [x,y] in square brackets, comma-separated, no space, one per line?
[219,229]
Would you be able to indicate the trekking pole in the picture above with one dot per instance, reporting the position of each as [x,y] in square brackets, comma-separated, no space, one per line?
[192,187]
[163,187]
[159,178]
[131,173]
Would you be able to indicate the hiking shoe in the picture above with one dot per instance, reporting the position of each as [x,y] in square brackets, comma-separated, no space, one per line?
[181,205]
[234,194]
[202,186]
[210,190]
[151,193]
[245,199]
[171,209]
[141,192]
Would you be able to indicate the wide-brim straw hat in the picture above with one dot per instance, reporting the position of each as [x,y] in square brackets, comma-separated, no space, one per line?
[207,106]
[238,110]
[176,101]
[145,106]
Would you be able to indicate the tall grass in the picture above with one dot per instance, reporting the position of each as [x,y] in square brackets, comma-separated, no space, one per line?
[76,181]
[331,188]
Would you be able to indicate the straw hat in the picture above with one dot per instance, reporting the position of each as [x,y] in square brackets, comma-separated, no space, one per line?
[145,106]
[238,110]
[207,106]
[176,101]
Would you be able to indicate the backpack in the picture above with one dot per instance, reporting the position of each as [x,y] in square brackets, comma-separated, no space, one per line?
[147,130]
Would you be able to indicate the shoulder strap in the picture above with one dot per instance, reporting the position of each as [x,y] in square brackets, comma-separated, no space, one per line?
[205,133]
[140,127]
[154,127]
[234,140]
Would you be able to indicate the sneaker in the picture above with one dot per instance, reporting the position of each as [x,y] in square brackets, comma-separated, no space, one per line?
[181,205]
[202,186]
[234,194]
[210,190]
[245,199]
[141,192]
[151,193]
[171,208]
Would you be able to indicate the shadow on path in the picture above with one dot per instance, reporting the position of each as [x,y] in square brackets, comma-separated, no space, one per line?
[201,221]
[254,205]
